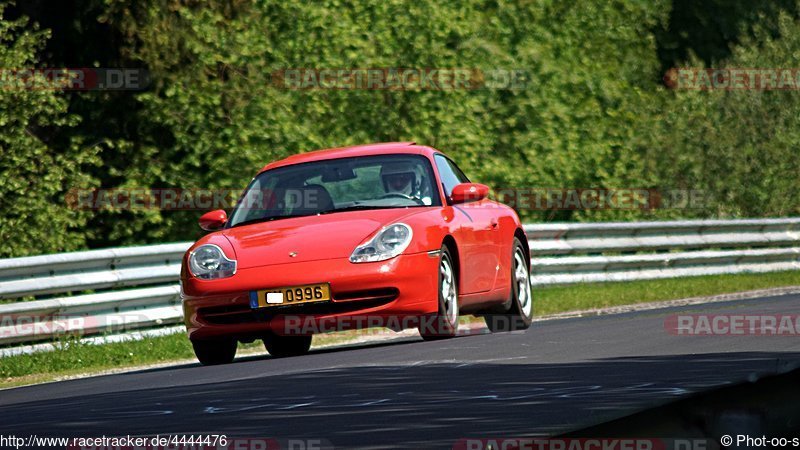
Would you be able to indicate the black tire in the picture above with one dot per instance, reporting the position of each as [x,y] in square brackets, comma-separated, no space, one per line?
[285,346]
[214,352]
[520,312]
[444,324]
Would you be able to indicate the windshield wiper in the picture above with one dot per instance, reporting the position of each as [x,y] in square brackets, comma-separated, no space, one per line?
[363,207]
[269,219]
[328,211]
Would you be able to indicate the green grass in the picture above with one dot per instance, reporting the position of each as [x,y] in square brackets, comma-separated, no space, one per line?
[553,300]
[73,357]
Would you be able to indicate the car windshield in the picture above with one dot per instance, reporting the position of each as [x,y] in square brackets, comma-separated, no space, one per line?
[337,185]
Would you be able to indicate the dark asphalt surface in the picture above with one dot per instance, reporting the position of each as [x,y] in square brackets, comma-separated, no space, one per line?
[557,376]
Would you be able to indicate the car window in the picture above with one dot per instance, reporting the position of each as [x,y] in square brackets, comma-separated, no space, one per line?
[449,173]
[367,182]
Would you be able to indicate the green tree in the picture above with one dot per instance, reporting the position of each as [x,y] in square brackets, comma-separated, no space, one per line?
[739,147]
[593,69]
[213,116]
[35,177]
[593,114]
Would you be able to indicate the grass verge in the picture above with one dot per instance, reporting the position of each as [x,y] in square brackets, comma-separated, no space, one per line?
[73,357]
[558,299]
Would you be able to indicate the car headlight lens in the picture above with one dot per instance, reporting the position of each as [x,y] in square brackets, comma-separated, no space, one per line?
[209,262]
[387,243]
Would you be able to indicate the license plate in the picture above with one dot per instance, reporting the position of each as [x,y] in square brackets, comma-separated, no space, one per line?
[292,295]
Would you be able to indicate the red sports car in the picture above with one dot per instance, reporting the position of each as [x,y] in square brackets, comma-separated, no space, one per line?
[392,235]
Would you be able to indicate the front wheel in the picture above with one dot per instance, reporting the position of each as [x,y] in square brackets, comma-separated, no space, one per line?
[520,313]
[214,352]
[444,324]
[284,346]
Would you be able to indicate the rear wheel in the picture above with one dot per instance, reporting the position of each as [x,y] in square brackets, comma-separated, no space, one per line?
[520,313]
[283,346]
[445,323]
[214,352]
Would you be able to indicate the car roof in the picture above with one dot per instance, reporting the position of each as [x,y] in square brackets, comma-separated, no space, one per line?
[382,148]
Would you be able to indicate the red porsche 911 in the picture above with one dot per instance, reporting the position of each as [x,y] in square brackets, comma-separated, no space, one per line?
[391,235]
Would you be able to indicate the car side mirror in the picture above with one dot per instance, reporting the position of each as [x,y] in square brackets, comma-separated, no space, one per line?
[213,220]
[469,192]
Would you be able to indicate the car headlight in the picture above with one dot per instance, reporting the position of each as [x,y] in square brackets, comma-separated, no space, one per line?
[387,243]
[209,262]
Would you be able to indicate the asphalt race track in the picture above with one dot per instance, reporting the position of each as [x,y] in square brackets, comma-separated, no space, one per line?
[557,376]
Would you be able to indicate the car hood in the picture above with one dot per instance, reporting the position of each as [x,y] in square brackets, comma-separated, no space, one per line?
[310,238]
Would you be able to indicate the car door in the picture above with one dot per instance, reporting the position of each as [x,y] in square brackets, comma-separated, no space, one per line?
[477,233]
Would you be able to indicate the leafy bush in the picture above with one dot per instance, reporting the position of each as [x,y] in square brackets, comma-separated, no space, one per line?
[35,175]
[593,114]
[740,147]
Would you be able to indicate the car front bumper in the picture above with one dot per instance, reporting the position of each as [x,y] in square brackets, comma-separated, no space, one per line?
[394,293]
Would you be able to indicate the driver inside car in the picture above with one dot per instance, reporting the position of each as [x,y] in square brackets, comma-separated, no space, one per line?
[403,179]
[399,178]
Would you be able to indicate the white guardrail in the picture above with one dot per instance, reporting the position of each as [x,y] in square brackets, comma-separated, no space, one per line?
[123,293]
